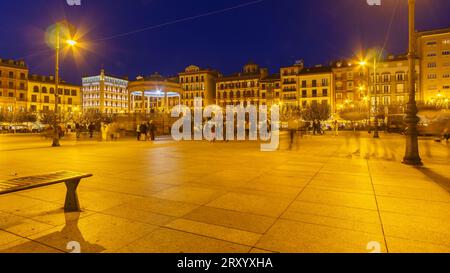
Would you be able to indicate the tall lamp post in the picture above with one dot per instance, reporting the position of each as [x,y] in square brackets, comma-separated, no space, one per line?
[363,63]
[58,28]
[375,107]
[412,156]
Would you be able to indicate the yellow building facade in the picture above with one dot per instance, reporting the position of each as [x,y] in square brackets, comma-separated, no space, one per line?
[197,82]
[316,87]
[41,95]
[434,53]
[13,86]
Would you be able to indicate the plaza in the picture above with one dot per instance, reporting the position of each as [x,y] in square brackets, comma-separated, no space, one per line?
[327,193]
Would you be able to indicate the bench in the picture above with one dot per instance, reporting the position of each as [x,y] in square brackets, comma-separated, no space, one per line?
[71,179]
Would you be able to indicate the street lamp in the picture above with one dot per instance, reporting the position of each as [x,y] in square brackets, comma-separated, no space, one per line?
[412,156]
[59,26]
[364,63]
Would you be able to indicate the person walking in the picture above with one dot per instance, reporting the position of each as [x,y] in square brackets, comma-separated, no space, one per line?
[152,129]
[336,128]
[104,130]
[91,129]
[138,132]
[77,130]
[143,130]
[292,127]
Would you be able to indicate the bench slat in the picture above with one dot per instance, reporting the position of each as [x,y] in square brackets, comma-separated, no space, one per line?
[29,182]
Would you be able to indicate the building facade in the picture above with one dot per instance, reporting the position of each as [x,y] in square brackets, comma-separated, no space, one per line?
[434,53]
[41,95]
[350,84]
[241,88]
[270,91]
[200,83]
[105,94]
[316,86]
[390,85]
[13,86]
[289,79]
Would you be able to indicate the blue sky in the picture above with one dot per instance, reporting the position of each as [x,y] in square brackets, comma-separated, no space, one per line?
[222,34]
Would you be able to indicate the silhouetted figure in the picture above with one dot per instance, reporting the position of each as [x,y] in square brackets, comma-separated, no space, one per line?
[91,129]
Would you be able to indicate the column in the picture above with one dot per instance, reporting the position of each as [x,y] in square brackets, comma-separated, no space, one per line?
[143,102]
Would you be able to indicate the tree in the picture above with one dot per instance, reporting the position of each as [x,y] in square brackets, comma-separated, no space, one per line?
[316,112]
[27,117]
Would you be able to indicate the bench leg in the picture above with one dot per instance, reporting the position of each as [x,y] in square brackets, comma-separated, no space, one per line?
[72,204]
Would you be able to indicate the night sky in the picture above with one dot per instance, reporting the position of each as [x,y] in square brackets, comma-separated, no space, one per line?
[272,33]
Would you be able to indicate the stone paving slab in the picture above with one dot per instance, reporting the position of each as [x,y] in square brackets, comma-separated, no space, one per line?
[328,194]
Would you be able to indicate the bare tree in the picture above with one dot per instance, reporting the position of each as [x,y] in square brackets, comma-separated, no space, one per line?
[316,112]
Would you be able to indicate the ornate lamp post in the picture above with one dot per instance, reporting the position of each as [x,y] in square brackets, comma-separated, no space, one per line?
[412,156]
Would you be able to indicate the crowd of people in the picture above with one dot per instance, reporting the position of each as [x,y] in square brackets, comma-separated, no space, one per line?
[146,131]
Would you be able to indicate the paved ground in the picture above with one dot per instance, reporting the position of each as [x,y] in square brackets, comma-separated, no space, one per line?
[328,194]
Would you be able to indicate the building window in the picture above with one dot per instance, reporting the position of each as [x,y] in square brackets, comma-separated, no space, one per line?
[432,65]
[400,77]
[33,98]
[304,94]
[314,93]
[46,99]
[325,92]
[74,93]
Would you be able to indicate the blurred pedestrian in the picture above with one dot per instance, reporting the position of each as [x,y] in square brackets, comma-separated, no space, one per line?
[152,130]
[91,129]
[143,129]
[138,132]
[336,128]
[77,130]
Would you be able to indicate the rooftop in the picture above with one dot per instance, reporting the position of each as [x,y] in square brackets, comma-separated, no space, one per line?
[13,63]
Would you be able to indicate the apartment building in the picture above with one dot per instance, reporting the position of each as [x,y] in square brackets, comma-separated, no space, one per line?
[434,53]
[241,88]
[197,82]
[13,86]
[105,94]
[41,95]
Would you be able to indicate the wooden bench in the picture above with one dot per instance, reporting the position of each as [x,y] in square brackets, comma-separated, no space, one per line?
[71,179]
